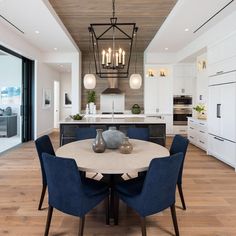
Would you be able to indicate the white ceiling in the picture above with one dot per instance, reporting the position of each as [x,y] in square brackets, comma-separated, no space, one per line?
[34,15]
[61,68]
[188,14]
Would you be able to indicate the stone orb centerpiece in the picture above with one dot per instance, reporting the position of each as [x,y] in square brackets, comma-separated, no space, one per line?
[113,138]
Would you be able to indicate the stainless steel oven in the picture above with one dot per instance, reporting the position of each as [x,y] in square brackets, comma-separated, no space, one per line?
[182,100]
[181,115]
[182,109]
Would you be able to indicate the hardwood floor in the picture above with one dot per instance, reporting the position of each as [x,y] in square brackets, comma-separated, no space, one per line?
[209,188]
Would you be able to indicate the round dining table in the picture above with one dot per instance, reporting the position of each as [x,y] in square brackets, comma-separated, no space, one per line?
[112,161]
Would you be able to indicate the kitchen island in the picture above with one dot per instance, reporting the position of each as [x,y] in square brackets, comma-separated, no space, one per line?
[156,126]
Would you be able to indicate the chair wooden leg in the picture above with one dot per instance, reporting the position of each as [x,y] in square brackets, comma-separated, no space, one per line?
[107,207]
[49,217]
[116,209]
[42,197]
[174,219]
[81,226]
[181,196]
[143,226]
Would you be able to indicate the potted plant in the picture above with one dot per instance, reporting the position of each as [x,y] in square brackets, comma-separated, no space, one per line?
[200,109]
[91,98]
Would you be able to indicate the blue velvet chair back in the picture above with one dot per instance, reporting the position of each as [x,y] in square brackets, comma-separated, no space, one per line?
[85,133]
[43,144]
[158,192]
[64,185]
[179,144]
[138,133]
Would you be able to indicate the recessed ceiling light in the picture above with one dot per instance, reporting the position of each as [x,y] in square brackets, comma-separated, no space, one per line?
[55,49]
[166,49]
[36,32]
[186,30]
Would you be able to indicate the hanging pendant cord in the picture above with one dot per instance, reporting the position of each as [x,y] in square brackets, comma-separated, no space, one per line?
[113,8]
[135,68]
[89,48]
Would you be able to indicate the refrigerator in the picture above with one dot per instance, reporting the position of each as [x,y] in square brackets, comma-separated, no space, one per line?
[222,117]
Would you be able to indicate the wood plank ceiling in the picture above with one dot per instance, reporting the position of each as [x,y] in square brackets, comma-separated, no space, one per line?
[77,15]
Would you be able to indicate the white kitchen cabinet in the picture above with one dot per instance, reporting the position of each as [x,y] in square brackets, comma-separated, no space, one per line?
[228,111]
[213,110]
[151,105]
[221,67]
[222,149]
[223,49]
[158,94]
[222,56]
[222,117]
[197,132]
[183,76]
[222,110]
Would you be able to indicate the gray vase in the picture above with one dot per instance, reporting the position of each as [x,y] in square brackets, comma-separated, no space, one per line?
[126,147]
[113,138]
[99,144]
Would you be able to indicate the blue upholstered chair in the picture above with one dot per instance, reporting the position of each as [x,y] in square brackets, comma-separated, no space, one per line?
[85,133]
[155,193]
[68,193]
[180,144]
[138,133]
[43,144]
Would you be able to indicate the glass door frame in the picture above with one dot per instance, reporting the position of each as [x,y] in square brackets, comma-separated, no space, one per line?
[27,89]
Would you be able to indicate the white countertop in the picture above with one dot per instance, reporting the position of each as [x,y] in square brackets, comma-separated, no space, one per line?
[117,119]
[196,119]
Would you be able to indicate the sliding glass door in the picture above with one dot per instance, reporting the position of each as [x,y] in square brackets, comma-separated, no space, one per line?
[16,99]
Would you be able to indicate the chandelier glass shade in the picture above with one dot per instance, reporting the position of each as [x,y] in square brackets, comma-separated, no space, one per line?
[112,45]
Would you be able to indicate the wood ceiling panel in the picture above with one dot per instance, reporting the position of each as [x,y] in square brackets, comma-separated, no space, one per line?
[77,15]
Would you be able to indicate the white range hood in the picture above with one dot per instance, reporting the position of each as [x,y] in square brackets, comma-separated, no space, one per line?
[108,100]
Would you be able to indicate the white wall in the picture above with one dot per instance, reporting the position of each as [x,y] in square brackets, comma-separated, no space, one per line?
[44,75]
[159,58]
[75,60]
[202,81]
[65,86]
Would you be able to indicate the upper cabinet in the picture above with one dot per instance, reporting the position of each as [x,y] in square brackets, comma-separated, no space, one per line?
[222,56]
[183,77]
[158,89]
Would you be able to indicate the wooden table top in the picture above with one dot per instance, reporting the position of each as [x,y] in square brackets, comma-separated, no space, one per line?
[112,161]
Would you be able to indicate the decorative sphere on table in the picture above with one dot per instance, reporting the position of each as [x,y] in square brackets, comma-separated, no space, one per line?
[113,138]
[99,144]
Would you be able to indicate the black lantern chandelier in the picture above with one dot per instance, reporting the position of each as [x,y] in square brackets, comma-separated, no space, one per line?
[112,47]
